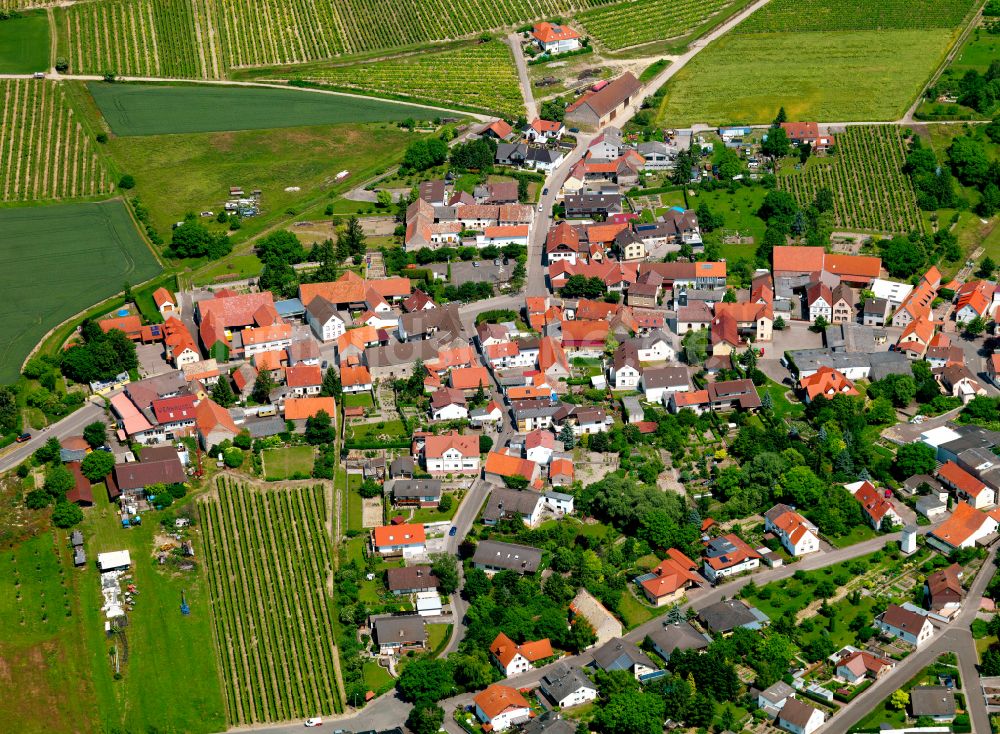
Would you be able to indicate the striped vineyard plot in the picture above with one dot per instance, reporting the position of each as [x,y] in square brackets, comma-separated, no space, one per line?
[168,38]
[865,176]
[268,565]
[648,20]
[279,31]
[481,76]
[44,151]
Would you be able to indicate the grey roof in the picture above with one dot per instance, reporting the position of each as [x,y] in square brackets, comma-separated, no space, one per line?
[651,147]
[68,455]
[401,465]
[564,680]
[543,155]
[263,427]
[777,692]
[665,377]
[618,654]
[680,636]
[404,630]
[397,354]
[930,503]
[725,616]
[289,307]
[322,310]
[510,556]
[932,701]
[876,306]
[415,488]
[810,360]
[913,483]
[888,363]
[513,502]
[970,437]
[410,577]
[631,403]
[79,556]
[853,337]
[76,538]
[548,723]
[593,201]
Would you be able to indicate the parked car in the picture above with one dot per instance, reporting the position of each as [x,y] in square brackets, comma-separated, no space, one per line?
[23,437]
[452,532]
[545,192]
[316,721]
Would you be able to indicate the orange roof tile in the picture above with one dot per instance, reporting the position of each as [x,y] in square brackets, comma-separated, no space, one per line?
[965,520]
[827,382]
[960,479]
[498,698]
[470,378]
[405,534]
[550,32]
[209,415]
[505,465]
[354,376]
[297,409]
[436,446]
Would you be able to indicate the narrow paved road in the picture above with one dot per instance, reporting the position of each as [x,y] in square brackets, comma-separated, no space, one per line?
[71,425]
[957,637]
[531,109]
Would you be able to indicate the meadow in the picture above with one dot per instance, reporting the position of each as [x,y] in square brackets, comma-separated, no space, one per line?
[481,75]
[58,260]
[24,43]
[287,462]
[269,559]
[180,173]
[138,109]
[45,153]
[832,77]
[870,190]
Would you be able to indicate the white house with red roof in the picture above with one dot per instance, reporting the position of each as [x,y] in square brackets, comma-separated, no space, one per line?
[451,453]
[166,302]
[856,665]
[797,535]
[539,445]
[968,488]
[541,130]
[728,555]
[555,38]
[404,539]
[513,658]
[500,707]
[874,504]
[667,583]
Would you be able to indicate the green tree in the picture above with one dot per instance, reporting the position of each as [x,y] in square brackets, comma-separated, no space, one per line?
[370,488]
[567,437]
[9,412]
[97,465]
[126,182]
[319,429]
[36,499]
[66,515]
[384,198]
[58,481]
[95,434]
[777,144]
[233,457]
[913,459]
[631,712]
[445,567]
[899,700]
[425,717]
[263,386]
[986,267]
[425,679]
[352,238]
[485,443]
[222,392]
[976,326]
[331,384]
[819,325]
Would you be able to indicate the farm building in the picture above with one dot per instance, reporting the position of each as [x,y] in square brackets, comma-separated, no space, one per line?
[598,108]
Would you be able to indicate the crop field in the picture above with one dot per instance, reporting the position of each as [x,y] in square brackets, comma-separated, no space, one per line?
[170,38]
[58,260]
[280,31]
[24,43]
[44,151]
[138,109]
[648,20]
[481,75]
[832,77]
[870,190]
[855,15]
[269,561]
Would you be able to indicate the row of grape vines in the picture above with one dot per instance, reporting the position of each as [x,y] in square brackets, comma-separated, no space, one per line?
[870,190]
[269,562]
[44,151]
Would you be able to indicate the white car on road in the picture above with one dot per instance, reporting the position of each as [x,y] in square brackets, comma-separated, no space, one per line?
[316,721]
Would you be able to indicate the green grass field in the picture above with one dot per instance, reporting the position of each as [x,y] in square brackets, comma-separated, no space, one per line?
[847,15]
[141,109]
[283,463]
[24,43]
[831,77]
[176,174]
[58,260]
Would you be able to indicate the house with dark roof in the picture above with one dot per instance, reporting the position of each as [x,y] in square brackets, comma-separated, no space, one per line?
[594,109]
[799,718]
[416,492]
[567,686]
[905,625]
[410,579]
[399,634]
[943,592]
[935,702]
[725,616]
[619,654]
[677,636]
[492,556]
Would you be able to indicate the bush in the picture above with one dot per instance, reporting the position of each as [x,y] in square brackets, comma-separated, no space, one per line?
[232,457]
[102,138]
[127,181]
[37,499]
[66,515]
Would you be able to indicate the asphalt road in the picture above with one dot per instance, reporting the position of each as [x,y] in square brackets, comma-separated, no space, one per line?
[71,425]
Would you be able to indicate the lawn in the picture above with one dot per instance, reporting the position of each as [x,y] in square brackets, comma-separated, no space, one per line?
[142,109]
[24,43]
[886,714]
[437,636]
[233,267]
[634,612]
[739,210]
[355,504]
[176,174]
[432,514]
[858,534]
[782,406]
[377,678]
[359,400]
[391,430]
[287,462]
[827,76]
[59,260]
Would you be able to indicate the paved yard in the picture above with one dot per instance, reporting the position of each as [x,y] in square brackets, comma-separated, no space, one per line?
[151,361]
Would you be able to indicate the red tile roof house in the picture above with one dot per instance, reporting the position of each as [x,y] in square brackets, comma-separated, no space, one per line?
[667,583]
[905,625]
[131,326]
[797,535]
[500,707]
[500,466]
[540,129]
[853,667]
[304,380]
[874,504]
[800,133]
[166,302]
[513,659]
[555,39]
[213,424]
[228,313]
[407,540]
[498,129]
[967,488]
[728,555]
[993,369]
[452,453]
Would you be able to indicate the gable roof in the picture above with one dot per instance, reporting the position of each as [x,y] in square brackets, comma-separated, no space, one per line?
[827,382]
[902,619]
[613,94]
[512,556]
[209,415]
[302,408]
[505,465]
[436,446]
[404,534]
[674,572]
[505,649]
[498,698]
[960,479]
[552,32]
[873,502]
[796,713]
